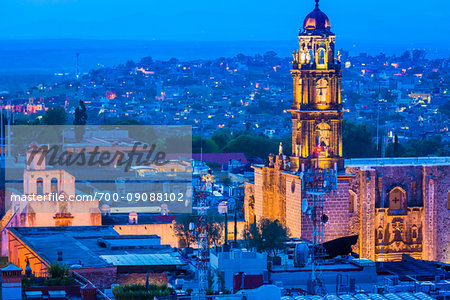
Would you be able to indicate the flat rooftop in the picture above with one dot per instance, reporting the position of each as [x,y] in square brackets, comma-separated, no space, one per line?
[163,259]
[86,245]
[143,218]
[414,268]
[397,161]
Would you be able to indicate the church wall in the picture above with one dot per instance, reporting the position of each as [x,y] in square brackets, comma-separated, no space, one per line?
[259,201]
[249,202]
[354,204]
[441,180]
[336,208]
[367,182]
[66,182]
[294,206]
[270,193]
[423,213]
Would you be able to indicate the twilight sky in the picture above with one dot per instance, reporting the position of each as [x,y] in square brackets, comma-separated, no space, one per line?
[388,21]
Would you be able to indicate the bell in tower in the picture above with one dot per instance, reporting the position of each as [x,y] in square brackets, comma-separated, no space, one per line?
[316,109]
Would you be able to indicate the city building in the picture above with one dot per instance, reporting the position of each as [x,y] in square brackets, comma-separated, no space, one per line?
[228,263]
[98,253]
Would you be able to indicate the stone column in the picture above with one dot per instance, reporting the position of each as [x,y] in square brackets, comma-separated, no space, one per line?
[367,214]
[430,215]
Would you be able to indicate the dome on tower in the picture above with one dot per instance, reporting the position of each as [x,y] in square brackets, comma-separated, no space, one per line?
[316,20]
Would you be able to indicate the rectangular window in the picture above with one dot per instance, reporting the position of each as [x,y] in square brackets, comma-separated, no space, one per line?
[351,202]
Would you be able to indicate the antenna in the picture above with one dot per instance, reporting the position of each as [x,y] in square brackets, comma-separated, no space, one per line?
[78,65]
[317,183]
[202,261]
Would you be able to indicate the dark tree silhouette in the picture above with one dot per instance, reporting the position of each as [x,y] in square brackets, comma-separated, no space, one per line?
[55,116]
[267,235]
[80,120]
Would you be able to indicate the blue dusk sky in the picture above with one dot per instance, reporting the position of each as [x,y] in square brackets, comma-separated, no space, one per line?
[390,21]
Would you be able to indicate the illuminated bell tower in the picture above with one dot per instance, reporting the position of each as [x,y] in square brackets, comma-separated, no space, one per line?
[317,107]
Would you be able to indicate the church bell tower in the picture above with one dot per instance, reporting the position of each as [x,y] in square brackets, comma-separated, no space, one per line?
[317,107]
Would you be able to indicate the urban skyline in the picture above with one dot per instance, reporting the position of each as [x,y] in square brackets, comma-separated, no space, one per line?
[248,176]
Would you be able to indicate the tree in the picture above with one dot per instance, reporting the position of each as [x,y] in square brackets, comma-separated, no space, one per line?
[205,145]
[80,114]
[220,278]
[357,141]
[142,292]
[395,149]
[130,64]
[251,235]
[80,120]
[257,146]
[267,236]
[148,60]
[214,228]
[445,109]
[57,270]
[221,138]
[55,116]
[58,274]
[181,229]
[248,126]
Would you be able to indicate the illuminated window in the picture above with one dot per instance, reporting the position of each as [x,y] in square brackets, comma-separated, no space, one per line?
[39,186]
[321,91]
[54,185]
[323,140]
[322,56]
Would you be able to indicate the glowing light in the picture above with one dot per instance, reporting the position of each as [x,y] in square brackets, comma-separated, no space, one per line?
[110,95]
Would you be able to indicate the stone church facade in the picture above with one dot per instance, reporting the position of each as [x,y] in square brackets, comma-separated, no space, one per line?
[396,207]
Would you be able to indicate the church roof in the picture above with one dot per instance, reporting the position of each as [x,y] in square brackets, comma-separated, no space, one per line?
[316,21]
[397,161]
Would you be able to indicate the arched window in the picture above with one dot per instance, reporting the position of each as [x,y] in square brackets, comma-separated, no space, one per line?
[380,235]
[323,139]
[414,233]
[39,186]
[397,199]
[321,56]
[54,185]
[321,91]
